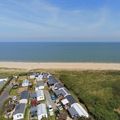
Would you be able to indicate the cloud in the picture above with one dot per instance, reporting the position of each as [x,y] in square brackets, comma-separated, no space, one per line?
[41,19]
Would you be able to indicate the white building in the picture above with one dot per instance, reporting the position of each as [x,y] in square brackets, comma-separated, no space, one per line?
[25,83]
[19,111]
[3,79]
[64,101]
[41,111]
[39,78]
[39,86]
[49,75]
[32,76]
[80,110]
[40,95]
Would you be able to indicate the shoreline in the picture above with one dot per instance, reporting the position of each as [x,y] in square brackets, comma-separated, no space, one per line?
[60,65]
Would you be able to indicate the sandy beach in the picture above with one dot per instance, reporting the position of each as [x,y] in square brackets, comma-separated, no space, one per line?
[61,66]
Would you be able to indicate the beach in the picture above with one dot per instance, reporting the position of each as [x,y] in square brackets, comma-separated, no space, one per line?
[60,65]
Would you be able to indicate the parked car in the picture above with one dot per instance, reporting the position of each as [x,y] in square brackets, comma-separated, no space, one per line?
[53,97]
[59,106]
[50,109]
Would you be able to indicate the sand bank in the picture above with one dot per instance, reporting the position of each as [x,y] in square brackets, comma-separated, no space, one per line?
[61,66]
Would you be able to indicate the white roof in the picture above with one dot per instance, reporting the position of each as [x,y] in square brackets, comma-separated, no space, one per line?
[80,110]
[64,91]
[26,81]
[64,101]
[3,79]
[41,109]
[40,76]
[40,93]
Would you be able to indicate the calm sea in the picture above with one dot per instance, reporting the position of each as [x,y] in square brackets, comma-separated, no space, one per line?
[60,52]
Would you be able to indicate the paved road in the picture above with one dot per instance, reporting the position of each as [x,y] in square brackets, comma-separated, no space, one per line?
[49,101]
[5,94]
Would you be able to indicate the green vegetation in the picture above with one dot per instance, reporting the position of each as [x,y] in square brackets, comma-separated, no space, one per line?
[13,92]
[27,111]
[98,90]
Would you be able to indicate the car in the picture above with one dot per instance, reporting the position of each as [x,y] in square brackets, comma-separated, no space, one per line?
[59,106]
[53,97]
[50,109]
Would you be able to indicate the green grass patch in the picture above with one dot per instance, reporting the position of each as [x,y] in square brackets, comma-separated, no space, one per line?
[13,92]
[27,112]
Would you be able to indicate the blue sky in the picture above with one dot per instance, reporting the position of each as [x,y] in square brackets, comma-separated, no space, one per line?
[59,20]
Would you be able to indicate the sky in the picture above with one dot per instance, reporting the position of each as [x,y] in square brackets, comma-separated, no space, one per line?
[59,20]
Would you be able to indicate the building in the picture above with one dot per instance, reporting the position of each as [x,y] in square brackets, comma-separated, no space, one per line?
[25,83]
[40,95]
[80,110]
[32,76]
[2,83]
[61,92]
[49,75]
[33,111]
[24,96]
[39,77]
[45,75]
[52,81]
[70,99]
[19,111]
[73,113]
[33,96]
[39,86]
[58,85]
[41,111]
[64,101]
[3,79]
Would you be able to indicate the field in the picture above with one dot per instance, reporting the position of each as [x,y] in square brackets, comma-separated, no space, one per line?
[98,90]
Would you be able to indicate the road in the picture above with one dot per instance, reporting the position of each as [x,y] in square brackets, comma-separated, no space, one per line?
[5,94]
[49,101]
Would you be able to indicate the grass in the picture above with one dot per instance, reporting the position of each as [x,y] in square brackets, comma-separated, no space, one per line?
[13,92]
[27,111]
[98,90]
[51,118]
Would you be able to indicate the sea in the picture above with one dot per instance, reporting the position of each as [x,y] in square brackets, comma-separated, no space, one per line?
[60,52]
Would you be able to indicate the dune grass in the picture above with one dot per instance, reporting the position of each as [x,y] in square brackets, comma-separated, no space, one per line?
[99,90]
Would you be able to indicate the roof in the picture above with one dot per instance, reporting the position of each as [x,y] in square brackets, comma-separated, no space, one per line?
[33,95]
[26,81]
[64,101]
[80,110]
[41,109]
[33,109]
[45,74]
[3,79]
[58,85]
[40,93]
[2,82]
[70,99]
[52,80]
[24,95]
[20,108]
[62,91]
[73,113]
[40,83]
[57,92]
